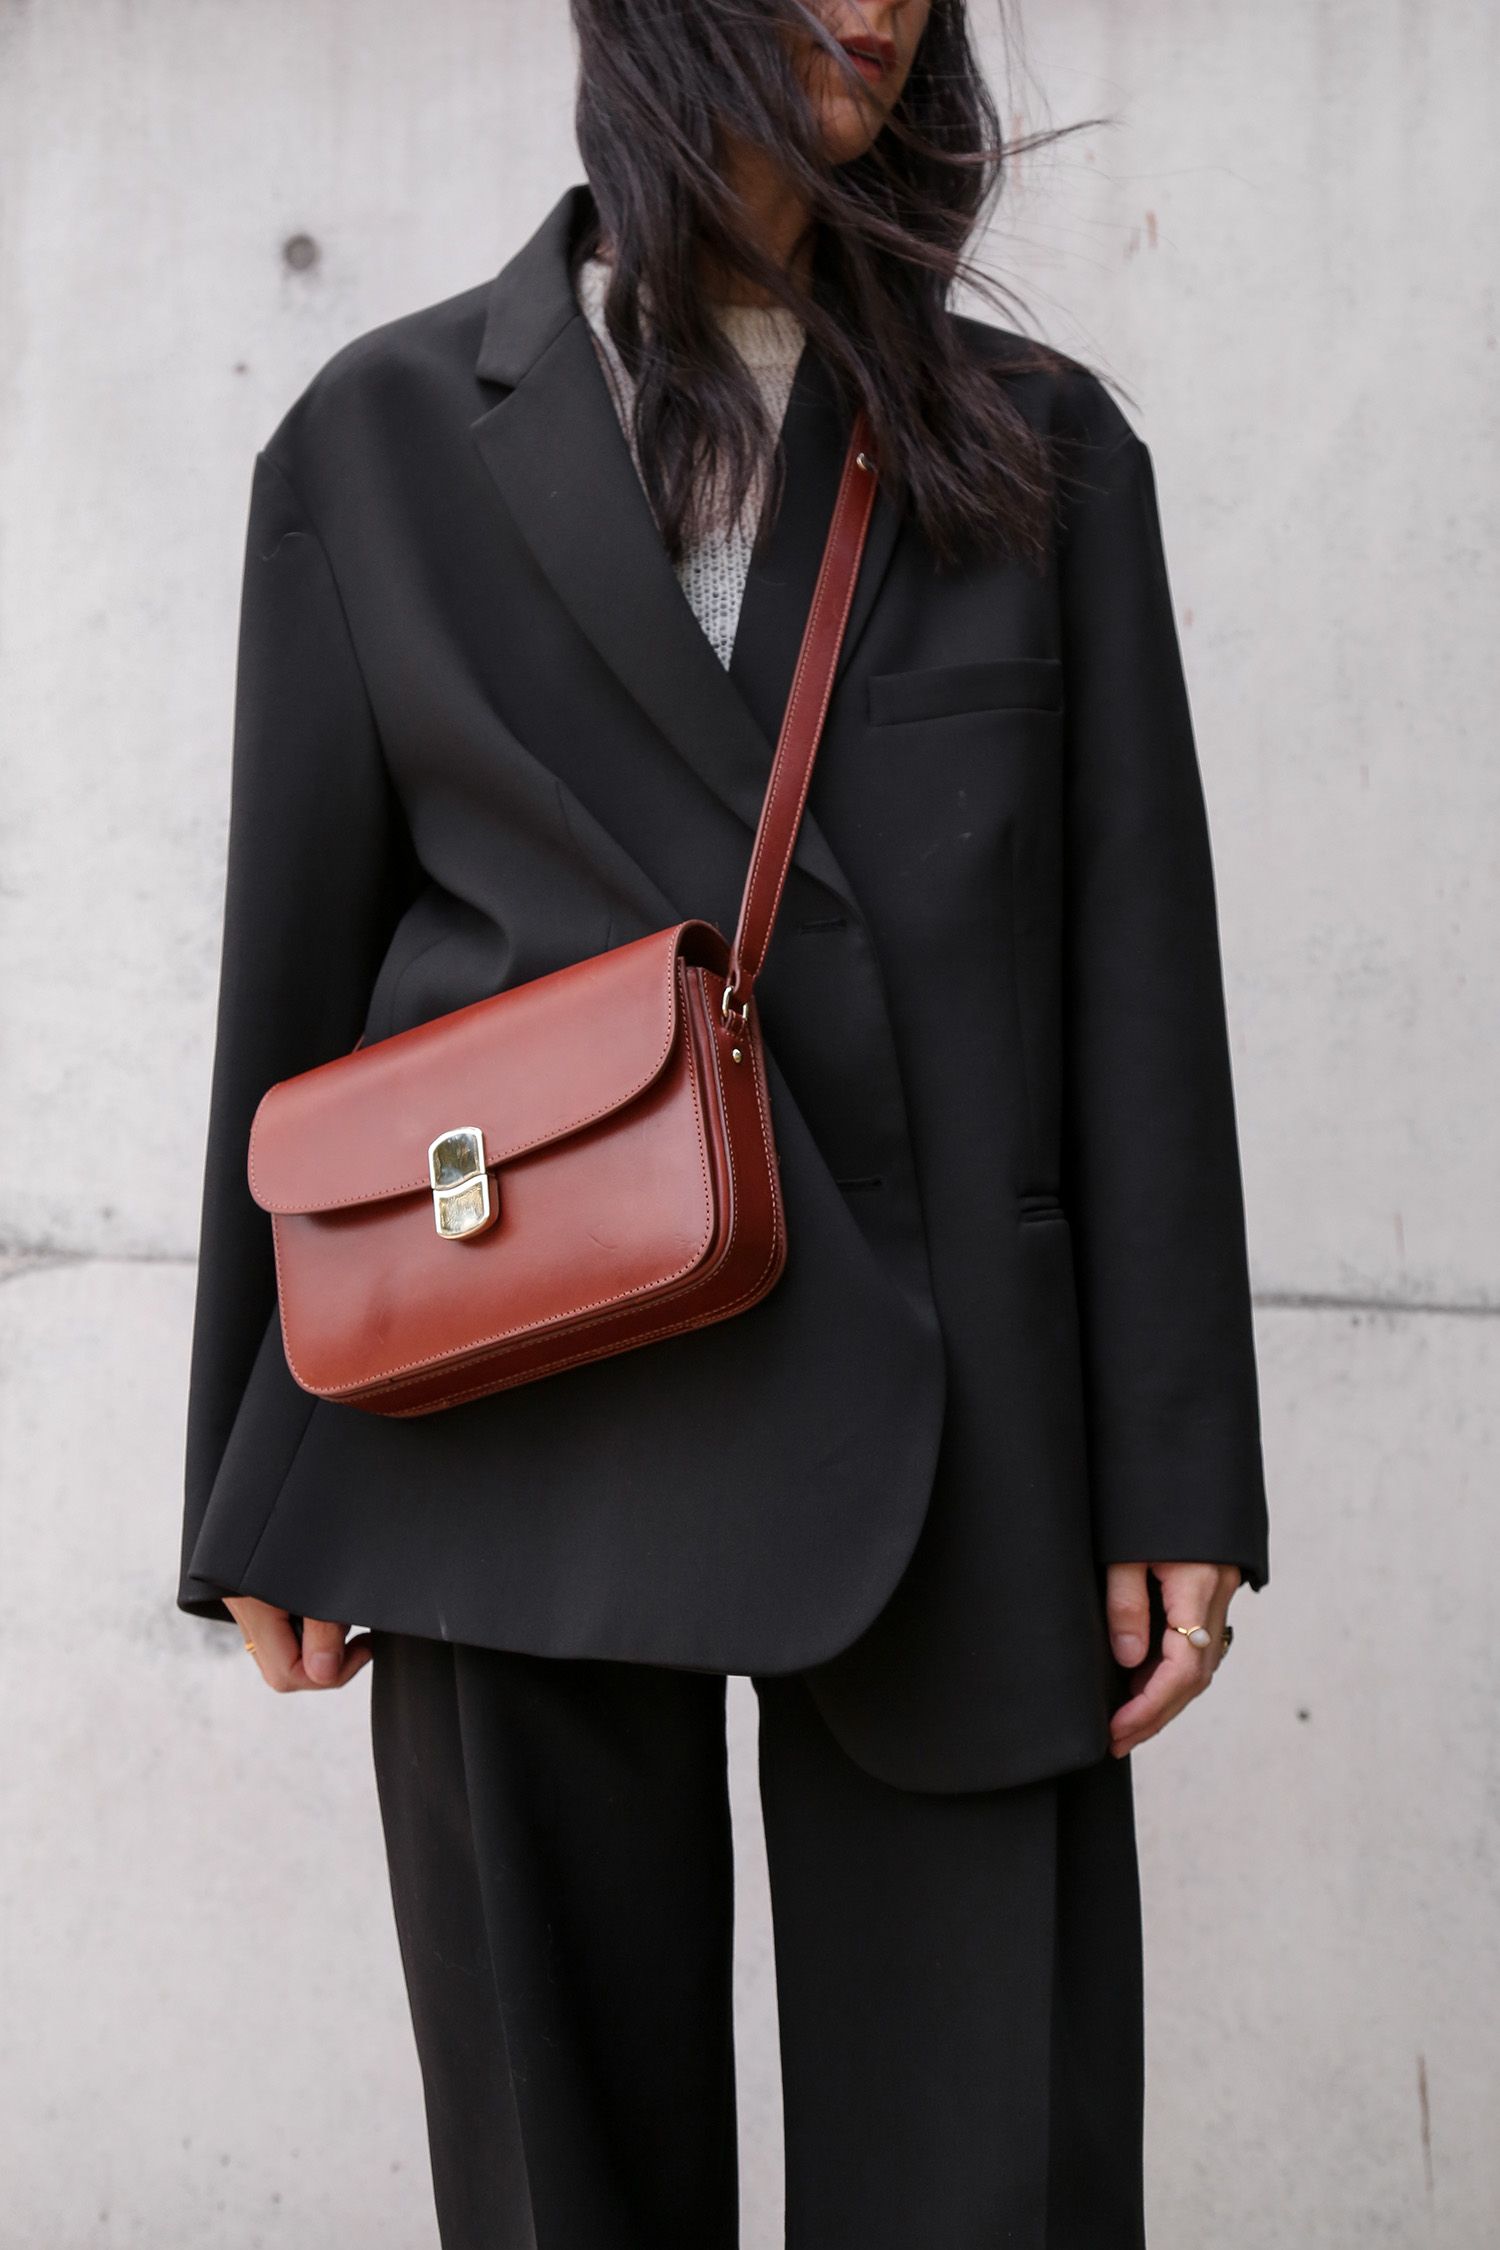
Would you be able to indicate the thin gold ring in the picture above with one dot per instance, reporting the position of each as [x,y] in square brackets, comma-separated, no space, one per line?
[249,1648]
[1227,1643]
[1196,1636]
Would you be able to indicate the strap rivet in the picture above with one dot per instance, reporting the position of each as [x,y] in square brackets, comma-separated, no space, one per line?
[736,1054]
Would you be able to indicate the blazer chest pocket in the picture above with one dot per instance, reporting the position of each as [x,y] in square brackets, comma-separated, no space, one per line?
[1018,683]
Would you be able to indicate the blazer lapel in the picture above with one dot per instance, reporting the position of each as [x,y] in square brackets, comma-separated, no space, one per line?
[779,589]
[555,449]
[880,545]
[556,452]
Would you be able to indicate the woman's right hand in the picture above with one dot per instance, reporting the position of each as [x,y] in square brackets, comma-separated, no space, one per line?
[323,1658]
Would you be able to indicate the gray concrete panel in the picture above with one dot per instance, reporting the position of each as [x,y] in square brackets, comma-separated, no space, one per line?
[203,2037]
[1321,1834]
[1282,247]
[155,163]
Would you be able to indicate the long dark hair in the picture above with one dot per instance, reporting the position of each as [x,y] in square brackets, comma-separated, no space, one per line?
[664,86]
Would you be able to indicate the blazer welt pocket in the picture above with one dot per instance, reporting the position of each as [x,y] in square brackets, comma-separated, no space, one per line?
[1019,683]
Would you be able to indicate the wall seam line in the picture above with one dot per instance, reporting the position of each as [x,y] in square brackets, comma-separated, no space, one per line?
[1291,1300]
[16,1260]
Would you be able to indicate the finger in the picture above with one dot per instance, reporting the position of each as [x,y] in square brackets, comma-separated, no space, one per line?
[327,1660]
[271,1640]
[1199,1594]
[354,1657]
[1218,1619]
[1166,1688]
[1127,1604]
[1188,1591]
[323,1651]
[349,1657]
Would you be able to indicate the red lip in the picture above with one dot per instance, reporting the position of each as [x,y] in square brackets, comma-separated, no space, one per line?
[871,55]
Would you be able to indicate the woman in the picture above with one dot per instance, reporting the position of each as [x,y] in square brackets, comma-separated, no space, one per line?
[527,576]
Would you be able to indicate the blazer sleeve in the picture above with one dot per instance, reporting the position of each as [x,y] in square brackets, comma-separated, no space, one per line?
[1152,1166]
[314,838]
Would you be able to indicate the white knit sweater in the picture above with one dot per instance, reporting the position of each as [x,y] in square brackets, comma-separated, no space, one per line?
[769,340]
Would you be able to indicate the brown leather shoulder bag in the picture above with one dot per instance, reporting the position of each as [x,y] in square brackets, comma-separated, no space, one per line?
[572,1168]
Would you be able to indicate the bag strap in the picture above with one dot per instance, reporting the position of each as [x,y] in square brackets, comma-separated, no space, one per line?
[802,723]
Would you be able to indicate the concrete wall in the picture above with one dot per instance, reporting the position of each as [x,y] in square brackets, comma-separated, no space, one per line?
[1283,248]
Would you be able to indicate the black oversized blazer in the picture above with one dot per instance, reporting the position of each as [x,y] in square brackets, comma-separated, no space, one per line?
[480,736]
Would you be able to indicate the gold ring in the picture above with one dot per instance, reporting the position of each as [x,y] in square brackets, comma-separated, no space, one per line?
[249,1648]
[1196,1636]
[1227,1643]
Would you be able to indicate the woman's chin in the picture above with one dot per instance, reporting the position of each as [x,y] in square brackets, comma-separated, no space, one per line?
[848,127]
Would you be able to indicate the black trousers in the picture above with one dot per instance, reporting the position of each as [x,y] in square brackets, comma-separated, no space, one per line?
[958,1978]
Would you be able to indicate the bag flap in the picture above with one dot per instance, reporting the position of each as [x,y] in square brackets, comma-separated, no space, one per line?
[527,1067]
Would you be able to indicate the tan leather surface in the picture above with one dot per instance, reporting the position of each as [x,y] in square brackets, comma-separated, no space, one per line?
[627,1134]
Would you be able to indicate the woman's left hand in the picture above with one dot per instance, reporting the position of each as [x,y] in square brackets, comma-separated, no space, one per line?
[1164,1681]
[321,1655]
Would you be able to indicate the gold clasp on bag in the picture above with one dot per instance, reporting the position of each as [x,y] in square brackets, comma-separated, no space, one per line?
[461,1203]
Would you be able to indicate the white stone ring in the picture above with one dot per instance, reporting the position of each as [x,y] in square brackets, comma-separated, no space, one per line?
[1196,1636]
